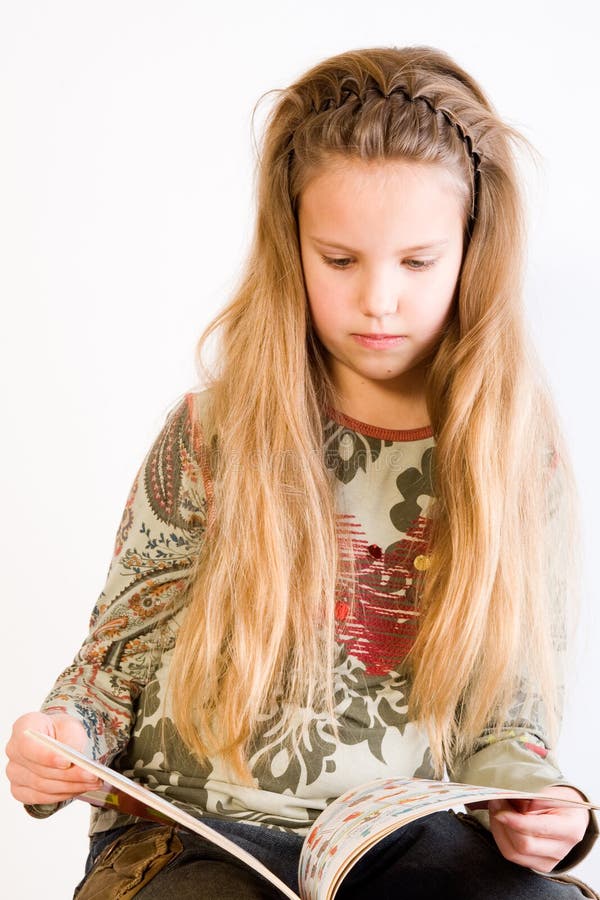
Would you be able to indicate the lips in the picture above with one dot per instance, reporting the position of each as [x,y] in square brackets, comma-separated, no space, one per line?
[379,341]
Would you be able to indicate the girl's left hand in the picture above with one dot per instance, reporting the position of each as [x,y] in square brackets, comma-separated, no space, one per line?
[535,833]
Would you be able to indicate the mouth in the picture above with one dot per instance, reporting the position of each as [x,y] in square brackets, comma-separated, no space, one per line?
[379,340]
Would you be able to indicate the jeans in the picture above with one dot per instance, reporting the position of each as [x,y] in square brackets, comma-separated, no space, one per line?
[439,856]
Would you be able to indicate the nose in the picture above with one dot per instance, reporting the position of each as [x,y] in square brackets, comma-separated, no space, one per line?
[380,292]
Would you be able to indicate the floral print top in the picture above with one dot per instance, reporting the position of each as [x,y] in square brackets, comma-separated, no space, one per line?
[116,683]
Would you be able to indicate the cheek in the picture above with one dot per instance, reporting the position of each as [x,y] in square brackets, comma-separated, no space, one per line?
[430,314]
[325,300]
[313,299]
[322,312]
[442,296]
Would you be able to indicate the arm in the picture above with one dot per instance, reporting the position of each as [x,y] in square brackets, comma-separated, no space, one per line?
[531,833]
[133,620]
[535,834]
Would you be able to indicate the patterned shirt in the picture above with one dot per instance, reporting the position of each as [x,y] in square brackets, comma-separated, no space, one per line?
[116,683]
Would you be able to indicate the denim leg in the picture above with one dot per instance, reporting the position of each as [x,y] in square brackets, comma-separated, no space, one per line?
[193,878]
[441,855]
[202,870]
[278,850]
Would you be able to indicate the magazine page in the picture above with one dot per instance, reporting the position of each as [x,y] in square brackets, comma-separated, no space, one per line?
[153,802]
[359,818]
[109,797]
[348,827]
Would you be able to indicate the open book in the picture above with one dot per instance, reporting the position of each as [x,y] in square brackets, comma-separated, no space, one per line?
[339,837]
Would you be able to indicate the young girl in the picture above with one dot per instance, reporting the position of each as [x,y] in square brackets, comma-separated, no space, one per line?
[347,555]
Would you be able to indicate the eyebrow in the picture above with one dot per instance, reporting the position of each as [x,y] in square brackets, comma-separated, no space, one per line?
[430,245]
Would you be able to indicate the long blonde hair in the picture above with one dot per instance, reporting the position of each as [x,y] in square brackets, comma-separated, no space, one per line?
[259,628]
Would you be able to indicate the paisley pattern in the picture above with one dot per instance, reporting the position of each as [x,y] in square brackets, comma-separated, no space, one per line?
[133,621]
[117,681]
[168,463]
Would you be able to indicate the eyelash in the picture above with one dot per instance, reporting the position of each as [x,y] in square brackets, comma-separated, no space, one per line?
[333,262]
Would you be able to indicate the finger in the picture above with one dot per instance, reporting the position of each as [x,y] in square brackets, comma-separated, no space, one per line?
[532,847]
[70,731]
[30,789]
[535,853]
[515,805]
[556,803]
[69,774]
[29,796]
[496,806]
[530,825]
[540,864]
[24,749]
[19,774]
[554,824]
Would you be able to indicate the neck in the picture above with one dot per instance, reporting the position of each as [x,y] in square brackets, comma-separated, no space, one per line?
[385,409]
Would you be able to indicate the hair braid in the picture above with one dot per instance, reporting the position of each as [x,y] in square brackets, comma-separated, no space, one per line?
[348,92]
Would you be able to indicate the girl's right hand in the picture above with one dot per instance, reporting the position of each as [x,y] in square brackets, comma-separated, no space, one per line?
[36,774]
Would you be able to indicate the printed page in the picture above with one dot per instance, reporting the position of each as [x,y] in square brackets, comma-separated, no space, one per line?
[109,797]
[165,809]
[354,822]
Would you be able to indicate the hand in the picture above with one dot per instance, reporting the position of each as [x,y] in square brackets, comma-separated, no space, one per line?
[535,833]
[36,773]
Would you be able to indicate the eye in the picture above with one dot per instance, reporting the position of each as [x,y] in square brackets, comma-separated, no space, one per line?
[337,262]
[417,265]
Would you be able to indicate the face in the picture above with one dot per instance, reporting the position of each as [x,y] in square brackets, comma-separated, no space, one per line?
[381,246]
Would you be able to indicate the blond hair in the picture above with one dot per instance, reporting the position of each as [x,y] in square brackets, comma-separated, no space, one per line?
[260,623]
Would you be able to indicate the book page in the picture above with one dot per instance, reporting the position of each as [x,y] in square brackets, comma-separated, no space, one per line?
[354,822]
[165,809]
[109,797]
[348,827]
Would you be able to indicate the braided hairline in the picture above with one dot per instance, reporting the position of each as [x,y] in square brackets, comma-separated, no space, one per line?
[475,155]
[346,92]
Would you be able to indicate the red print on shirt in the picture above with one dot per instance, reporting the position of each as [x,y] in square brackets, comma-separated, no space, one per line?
[381,628]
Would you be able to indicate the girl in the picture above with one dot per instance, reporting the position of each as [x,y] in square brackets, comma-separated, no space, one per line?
[346,556]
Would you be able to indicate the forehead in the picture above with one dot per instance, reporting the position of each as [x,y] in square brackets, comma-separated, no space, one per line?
[339,173]
[381,194]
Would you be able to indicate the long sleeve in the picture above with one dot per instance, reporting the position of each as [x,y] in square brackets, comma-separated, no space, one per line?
[521,760]
[520,756]
[133,622]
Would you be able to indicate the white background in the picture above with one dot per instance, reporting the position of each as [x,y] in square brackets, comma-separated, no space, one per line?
[126,165]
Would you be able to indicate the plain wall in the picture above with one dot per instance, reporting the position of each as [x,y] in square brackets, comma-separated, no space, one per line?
[126,177]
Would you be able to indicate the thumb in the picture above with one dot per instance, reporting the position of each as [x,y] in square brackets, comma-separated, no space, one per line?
[520,806]
[514,805]
[68,730]
[24,749]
